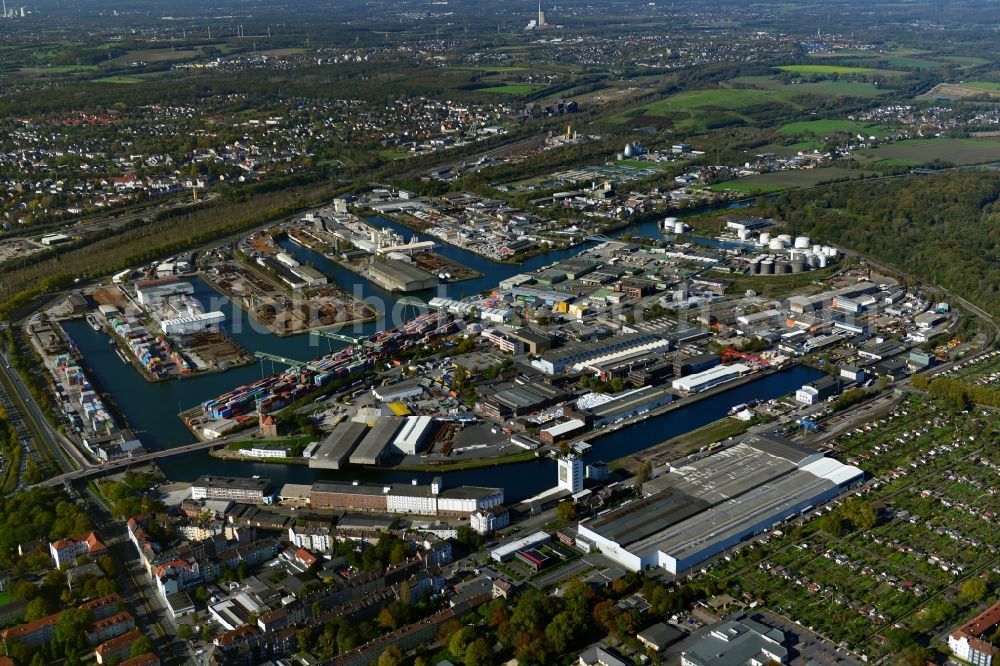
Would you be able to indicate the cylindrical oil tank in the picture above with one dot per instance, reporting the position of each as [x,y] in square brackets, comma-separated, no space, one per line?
[822,261]
[786,238]
[817,249]
[798,265]
[765,238]
[802,242]
[755,267]
[831,252]
[814,260]
[767,267]
[781,267]
[776,244]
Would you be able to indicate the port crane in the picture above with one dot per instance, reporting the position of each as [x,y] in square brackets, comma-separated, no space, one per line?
[357,342]
[274,358]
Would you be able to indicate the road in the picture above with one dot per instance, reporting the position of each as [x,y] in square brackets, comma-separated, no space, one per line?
[119,465]
[57,444]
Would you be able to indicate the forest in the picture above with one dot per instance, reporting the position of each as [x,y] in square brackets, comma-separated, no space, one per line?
[944,227]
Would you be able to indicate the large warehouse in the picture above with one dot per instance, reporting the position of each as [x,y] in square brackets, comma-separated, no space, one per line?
[373,447]
[400,276]
[703,381]
[429,500]
[339,445]
[702,507]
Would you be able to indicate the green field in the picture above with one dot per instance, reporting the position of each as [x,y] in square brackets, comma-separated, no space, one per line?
[913,152]
[688,109]
[820,129]
[486,68]
[511,89]
[983,85]
[785,180]
[826,69]
[124,80]
[912,63]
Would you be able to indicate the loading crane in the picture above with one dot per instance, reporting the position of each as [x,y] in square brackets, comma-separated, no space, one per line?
[356,342]
[294,363]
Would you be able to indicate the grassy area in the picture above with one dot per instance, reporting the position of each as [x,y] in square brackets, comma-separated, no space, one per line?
[912,152]
[459,466]
[826,69]
[786,180]
[487,68]
[827,126]
[511,89]
[393,154]
[703,108]
[122,80]
[983,85]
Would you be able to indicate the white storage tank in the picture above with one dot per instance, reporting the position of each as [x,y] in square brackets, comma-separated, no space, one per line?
[776,244]
[743,234]
[786,238]
[765,238]
[822,261]
[678,227]
[831,252]
[817,249]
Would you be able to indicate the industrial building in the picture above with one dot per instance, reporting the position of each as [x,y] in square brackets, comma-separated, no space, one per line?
[408,388]
[821,389]
[630,404]
[557,361]
[702,507]
[514,399]
[413,435]
[562,430]
[191,323]
[335,450]
[507,551]
[400,276]
[703,381]
[372,448]
[736,642]
[234,488]
[427,500]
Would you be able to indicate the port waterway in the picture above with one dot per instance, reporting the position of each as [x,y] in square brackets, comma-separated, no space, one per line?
[151,407]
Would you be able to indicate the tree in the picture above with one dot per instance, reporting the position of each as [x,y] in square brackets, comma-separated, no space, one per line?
[468,538]
[391,656]
[566,511]
[644,474]
[206,633]
[36,609]
[185,632]
[972,591]
[460,640]
[478,653]
[563,631]
[141,646]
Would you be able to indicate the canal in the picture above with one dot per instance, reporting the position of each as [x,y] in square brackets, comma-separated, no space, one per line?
[151,408]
